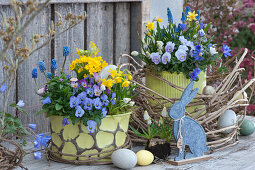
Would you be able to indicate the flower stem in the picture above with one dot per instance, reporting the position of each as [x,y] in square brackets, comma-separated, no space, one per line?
[36,84]
[63,65]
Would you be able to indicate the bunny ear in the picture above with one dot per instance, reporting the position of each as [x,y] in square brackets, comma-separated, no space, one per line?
[188,94]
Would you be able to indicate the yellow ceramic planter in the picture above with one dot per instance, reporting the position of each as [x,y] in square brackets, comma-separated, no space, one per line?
[76,139]
[177,79]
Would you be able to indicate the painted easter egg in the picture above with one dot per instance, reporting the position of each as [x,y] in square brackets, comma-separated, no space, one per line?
[124,158]
[240,96]
[228,118]
[208,90]
[144,157]
[247,128]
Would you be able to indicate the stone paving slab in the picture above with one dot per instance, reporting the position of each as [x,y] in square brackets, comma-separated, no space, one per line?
[238,157]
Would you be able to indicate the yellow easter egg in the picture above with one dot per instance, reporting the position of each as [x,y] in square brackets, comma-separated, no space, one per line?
[241,96]
[144,157]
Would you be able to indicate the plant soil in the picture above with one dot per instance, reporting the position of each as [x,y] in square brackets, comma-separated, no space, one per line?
[161,151]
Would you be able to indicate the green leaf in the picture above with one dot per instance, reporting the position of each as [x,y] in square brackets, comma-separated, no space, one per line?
[42,111]
[58,106]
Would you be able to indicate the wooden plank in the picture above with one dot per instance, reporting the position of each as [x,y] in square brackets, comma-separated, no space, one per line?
[136,26]
[12,98]
[100,28]
[73,38]
[122,34]
[26,86]
[7,2]
[189,161]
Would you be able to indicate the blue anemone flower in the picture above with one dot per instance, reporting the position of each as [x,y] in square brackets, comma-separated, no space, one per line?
[198,53]
[194,74]
[226,50]
[42,66]
[34,73]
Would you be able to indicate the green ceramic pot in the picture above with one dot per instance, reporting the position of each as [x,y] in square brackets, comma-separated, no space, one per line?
[76,139]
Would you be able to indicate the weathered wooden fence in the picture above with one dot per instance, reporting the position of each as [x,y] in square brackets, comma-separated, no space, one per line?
[113,25]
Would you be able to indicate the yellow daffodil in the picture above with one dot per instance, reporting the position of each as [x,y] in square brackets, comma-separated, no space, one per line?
[114,73]
[108,83]
[192,16]
[118,79]
[159,19]
[93,48]
[149,33]
[129,77]
[150,26]
[125,83]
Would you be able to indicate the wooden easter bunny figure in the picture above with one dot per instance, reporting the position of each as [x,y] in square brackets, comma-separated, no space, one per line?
[186,130]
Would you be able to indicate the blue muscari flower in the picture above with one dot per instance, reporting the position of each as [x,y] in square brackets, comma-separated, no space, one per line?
[198,15]
[34,73]
[187,10]
[194,74]
[49,75]
[105,100]
[226,50]
[198,53]
[104,112]
[182,26]
[201,25]
[79,111]
[37,155]
[90,92]
[91,126]
[88,104]
[65,51]
[46,101]
[32,126]
[169,15]
[3,88]
[97,103]
[65,122]
[82,96]
[73,102]
[42,66]
[183,19]
[53,65]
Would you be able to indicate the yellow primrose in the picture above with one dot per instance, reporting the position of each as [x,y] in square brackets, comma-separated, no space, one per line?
[150,26]
[192,16]
[118,79]
[125,83]
[159,19]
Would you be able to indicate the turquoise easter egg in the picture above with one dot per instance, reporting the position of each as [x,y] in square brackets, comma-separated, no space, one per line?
[247,128]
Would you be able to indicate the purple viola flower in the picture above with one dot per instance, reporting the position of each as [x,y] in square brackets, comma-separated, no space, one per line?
[183,40]
[83,83]
[82,97]
[79,111]
[181,55]
[46,100]
[201,33]
[91,126]
[169,47]
[190,44]
[88,103]
[86,78]
[90,92]
[97,103]
[32,126]
[3,88]
[37,155]
[97,78]
[113,95]
[91,80]
[105,100]
[73,102]
[104,112]
[65,122]
[155,57]
[113,99]
[166,58]
[74,84]
[97,90]
[183,47]
[226,50]
[198,53]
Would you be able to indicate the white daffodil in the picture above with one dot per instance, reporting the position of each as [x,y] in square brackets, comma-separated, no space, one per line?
[164,112]
[213,51]
[126,100]
[105,71]
[132,103]
[146,115]
[134,53]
